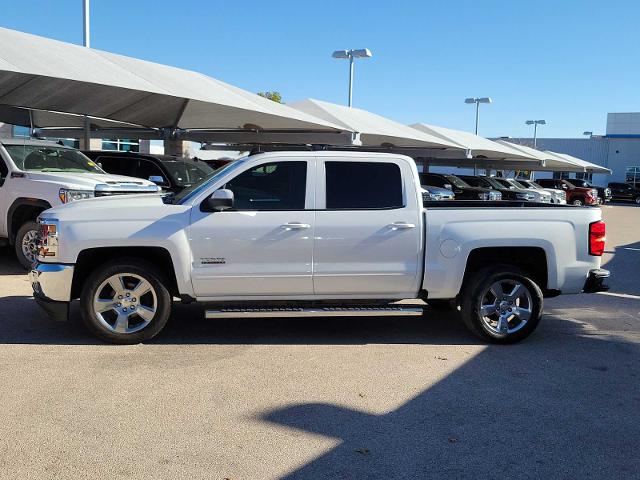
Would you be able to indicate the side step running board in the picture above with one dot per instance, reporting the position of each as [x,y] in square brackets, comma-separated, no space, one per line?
[400,310]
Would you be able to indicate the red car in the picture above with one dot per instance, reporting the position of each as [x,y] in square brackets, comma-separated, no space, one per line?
[575,195]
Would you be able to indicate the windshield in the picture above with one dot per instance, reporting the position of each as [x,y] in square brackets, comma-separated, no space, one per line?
[37,158]
[502,182]
[214,175]
[186,174]
[457,181]
[520,183]
[494,183]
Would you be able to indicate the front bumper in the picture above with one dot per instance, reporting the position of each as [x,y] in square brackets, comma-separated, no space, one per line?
[51,283]
[595,281]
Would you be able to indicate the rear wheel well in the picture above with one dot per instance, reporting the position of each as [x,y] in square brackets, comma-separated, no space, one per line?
[92,258]
[531,260]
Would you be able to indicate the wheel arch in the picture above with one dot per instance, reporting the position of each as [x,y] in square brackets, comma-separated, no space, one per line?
[531,260]
[22,210]
[90,259]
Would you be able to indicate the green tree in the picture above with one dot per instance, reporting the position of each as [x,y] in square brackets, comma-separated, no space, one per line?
[274,96]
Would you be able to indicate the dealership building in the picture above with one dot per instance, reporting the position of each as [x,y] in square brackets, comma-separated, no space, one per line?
[618,150]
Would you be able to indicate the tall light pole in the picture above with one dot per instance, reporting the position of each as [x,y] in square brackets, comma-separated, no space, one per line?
[478,101]
[351,55]
[86,41]
[535,124]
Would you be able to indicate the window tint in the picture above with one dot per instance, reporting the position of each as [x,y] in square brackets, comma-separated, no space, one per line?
[271,186]
[115,165]
[145,169]
[433,180]
[358,185]
[4,171]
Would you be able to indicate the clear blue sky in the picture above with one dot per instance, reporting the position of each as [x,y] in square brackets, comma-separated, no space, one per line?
[567,61]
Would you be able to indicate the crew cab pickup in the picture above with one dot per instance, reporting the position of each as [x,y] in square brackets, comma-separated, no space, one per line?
[36,175]
[313,234]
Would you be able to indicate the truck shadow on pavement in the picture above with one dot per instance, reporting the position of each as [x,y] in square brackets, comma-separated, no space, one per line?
[624,267]
[563,405]
[8,263]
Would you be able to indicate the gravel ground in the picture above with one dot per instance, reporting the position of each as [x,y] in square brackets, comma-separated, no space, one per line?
[328,398]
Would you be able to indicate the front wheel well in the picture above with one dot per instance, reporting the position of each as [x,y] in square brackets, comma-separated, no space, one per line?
[92,258]
[531,260]
[21,212]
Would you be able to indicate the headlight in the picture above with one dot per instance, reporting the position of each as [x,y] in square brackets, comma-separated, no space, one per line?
[48,238]
[483,195]
[495,196]
[67,195]
[594,193]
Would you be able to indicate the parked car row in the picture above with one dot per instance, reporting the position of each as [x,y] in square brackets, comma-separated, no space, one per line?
[471,187]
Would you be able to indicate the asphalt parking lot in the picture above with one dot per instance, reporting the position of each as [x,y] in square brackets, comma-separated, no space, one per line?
[329,398]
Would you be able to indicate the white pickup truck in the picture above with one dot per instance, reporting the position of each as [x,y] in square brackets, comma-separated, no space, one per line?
[313,234]
[36,175]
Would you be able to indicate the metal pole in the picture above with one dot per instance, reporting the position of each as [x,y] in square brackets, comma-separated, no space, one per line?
[535,134]
[477,114]
[350,78]
[475,169]
[86,40]
[87,32]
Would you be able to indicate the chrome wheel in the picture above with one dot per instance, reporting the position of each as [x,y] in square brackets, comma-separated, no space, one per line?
[577,202]
[29,245]
[125,303]
[505,307]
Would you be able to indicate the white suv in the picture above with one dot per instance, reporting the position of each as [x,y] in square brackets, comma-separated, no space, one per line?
[36,175]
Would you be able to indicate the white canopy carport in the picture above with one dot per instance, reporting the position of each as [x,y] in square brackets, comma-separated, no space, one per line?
[39,73]
[479,147]
[375,130]
[583,165]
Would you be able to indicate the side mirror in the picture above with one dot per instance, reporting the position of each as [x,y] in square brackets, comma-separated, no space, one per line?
[220,200]
[158,180]
[448,186]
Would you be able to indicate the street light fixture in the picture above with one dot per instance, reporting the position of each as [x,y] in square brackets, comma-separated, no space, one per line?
[350,55]
[588,134]
[478,101]
[535,124]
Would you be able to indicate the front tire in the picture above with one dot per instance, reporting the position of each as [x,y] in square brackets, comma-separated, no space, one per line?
[578,202]
[125,301]
[26,244]
[637,200]
[501,305]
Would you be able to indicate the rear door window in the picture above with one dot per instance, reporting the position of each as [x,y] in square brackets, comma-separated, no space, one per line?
[363,185]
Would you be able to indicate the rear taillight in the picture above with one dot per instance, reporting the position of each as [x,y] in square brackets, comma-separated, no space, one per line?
[597,231]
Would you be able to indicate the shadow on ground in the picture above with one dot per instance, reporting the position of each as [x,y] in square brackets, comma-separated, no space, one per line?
[564,404]
[624,267]
[8,263]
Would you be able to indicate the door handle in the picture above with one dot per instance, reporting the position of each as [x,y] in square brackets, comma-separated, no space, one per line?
[402,225]
[296,226]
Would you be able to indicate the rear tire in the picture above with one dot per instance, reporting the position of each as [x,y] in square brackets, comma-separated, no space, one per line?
[26,244]
[125,301]
[501,304]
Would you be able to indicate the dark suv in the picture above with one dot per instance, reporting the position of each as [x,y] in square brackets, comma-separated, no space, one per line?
[624,191]
[173,174]
[462,189]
